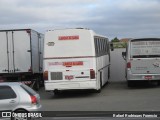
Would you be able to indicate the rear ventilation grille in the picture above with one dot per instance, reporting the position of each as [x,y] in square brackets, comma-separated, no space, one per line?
[56,76]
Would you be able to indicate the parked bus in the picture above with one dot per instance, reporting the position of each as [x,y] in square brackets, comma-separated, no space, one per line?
[142,60]
[75,59]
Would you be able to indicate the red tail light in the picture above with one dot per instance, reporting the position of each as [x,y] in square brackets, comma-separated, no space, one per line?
[92,74]
[45,75]
[33,100]
[129,65]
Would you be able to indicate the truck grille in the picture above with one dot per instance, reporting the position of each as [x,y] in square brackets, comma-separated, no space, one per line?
[56,76]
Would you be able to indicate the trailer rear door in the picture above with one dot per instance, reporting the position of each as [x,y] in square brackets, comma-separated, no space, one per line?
[3,53]
[15,51]
[22,51]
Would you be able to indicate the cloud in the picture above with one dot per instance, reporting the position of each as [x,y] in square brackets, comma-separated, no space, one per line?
[127,18]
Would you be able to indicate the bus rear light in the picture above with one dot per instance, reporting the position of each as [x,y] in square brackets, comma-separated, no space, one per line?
[45,75]
[129,65]
[92,74]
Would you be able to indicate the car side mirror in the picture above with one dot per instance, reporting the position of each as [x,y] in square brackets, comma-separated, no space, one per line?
[111,46]
[124,55]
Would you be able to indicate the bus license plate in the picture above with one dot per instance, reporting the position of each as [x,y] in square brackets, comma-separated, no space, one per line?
[69,77]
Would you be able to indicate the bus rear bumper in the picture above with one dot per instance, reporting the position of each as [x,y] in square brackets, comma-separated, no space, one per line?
[68,85]
[139,77]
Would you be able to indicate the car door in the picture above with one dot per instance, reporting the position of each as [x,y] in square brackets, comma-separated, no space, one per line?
[8,98]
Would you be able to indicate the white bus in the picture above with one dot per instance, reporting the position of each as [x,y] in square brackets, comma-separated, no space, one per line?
[142,60]
[75,59]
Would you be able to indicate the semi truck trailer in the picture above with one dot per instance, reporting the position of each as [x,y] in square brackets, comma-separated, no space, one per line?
[21,52]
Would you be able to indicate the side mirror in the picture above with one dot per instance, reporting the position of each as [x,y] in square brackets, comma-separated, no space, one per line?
[111,46]
[124,55]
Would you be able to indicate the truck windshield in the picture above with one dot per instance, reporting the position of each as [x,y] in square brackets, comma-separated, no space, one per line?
[145,49]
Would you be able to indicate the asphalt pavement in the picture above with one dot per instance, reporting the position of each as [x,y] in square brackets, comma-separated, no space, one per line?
[115,96]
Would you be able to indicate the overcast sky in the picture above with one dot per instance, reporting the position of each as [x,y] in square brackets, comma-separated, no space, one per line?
[112,18]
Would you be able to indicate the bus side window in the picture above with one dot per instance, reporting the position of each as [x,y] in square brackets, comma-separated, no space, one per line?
[96,46]
[103,46]
[107,46]
[101,51]
[99,48]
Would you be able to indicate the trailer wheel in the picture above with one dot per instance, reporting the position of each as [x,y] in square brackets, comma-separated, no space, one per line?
[36,85]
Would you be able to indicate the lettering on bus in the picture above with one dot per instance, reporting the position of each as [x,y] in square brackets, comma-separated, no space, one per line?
[75,37]
[74,63]
[77,63]
[54,63]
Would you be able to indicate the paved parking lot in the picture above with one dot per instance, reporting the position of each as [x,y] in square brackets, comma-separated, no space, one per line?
[115,96]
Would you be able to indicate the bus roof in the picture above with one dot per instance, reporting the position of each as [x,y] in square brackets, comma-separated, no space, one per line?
[95,34]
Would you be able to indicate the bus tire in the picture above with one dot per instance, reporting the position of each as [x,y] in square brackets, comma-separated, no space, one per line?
[98,91]
[56,92]
[158,83]
[130,83]
[108,73]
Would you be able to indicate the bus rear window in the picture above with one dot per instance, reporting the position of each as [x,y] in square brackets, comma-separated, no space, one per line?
[145,49]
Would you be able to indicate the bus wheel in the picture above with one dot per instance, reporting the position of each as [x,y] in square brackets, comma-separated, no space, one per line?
[158,83]
[130,83]
[108,73]
[98,91]
[56,92]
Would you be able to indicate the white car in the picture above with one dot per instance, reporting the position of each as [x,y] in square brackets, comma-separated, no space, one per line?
[18,97]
